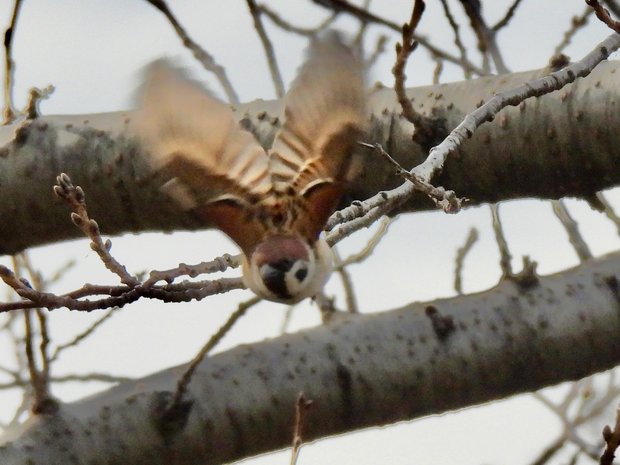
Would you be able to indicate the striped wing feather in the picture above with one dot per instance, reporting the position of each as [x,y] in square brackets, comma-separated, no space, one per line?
[194,138]
[324,117]
[219,171]
[216,169]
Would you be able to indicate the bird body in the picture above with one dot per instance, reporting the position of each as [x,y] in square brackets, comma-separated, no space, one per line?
[273,204]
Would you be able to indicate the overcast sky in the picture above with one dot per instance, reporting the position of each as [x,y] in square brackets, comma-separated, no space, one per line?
[93,52]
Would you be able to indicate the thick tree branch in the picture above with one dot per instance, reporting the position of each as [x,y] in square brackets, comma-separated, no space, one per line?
[572,131]
[359,371]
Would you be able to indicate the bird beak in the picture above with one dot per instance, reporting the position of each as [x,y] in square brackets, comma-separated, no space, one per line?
[273,277]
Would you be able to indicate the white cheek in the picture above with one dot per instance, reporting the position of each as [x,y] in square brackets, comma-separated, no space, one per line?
[251,278]
[322,273]
[295,287]
[319,271]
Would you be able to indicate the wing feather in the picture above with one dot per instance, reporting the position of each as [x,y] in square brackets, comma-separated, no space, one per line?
[194,138]
[220,171]
[325,115]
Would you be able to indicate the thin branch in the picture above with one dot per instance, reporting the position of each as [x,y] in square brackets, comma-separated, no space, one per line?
[8,112]
[423,126]
[612,441]
[569,426]
[276,77]
[579,406]
[342,6]
[438,70]
[71,378]
[371,244]
[90,377]
[218,264]
[301,408]
[37,281]
[577,23]
[513,97]
[603,15]
[286,321]
[613,6]
[487,43]
[361,214]
[119,296]
[285,25]
[44,344]
[347,283]
[186,378]
[572,229]
[609,211]
[361,221]
[327,307]
[502,244]
[35,97]
[75,197]
[358,41]
[508,16]
[461,253]
[549,452]
[378,51]
[83,335]
[207,61]
[444,199]
[457,37]
[42,401]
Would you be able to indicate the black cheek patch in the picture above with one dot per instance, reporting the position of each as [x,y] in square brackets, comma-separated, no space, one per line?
[274,280]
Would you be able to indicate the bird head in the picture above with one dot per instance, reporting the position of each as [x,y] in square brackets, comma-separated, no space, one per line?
[285,268]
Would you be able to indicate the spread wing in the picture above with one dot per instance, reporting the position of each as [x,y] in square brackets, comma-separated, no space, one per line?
[325,115]
[219,171]
[214,167]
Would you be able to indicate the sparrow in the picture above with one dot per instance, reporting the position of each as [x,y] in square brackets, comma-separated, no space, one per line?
[272,203]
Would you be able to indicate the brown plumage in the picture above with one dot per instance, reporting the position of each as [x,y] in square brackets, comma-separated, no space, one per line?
[273,204]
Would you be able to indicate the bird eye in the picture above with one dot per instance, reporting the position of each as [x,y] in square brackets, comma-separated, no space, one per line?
[301,274]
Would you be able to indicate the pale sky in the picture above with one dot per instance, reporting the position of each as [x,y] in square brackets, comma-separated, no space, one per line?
[94,51]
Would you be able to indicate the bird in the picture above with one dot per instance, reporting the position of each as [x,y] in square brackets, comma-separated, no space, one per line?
[272,203]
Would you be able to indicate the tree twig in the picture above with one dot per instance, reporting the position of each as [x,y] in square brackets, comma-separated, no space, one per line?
[276,77]
[502,243]
[218,264]
[612,441]
[457,37]
[186,378]
[360,214]
[75,197]
[609,211]
[339,6]
[207,61]
[83,335]
[423,127]
[572,229]
[285,25]
[444,199]
[8,113]
[508,16]
[347,283]
[117,296]
[370,245]
[461,253]
[603,15]
[487,43]
[301,407]
[577,22]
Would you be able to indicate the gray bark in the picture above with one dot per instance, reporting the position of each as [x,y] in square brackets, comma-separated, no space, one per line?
[360,371]
[563,144]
